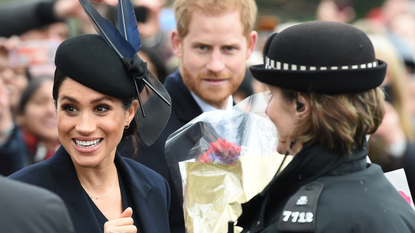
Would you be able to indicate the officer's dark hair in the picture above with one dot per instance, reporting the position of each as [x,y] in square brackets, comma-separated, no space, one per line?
[339,122]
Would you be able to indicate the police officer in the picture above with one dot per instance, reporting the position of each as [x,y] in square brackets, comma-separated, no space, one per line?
[324,81]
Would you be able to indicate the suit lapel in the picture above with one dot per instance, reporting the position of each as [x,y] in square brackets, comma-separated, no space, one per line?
[70,190]
[183,104]
[147,207]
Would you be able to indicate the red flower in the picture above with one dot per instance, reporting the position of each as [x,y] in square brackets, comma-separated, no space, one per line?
[221,152]
[204,158]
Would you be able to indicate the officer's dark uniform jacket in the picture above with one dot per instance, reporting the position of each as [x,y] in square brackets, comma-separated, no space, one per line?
[321,191]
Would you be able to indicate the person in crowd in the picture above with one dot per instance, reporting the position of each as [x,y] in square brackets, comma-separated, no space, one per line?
[391,9]
[13,81]
[401,25]
[393,142]
[12,147]
[336,10]
[14,76]
[213,40]
[36,119]
[151,26]
[410,93]
[323,104]
[20,17]
[38,210]
[22,63]
[406,53]
[95,92]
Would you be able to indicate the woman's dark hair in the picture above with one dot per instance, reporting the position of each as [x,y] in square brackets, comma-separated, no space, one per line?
[129,132]
[31,88]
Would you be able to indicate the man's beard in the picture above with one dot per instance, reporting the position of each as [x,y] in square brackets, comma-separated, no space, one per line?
[213,95]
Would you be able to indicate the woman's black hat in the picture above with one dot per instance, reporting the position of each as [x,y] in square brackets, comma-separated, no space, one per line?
[89,60]
[108,63]
[320,56]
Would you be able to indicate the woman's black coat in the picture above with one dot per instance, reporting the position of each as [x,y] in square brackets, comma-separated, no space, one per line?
[150,191]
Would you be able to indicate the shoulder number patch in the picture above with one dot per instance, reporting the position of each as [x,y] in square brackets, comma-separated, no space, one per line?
[296,216]
[299,212]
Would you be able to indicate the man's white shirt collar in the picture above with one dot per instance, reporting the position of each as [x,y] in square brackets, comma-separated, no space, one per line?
[207,107]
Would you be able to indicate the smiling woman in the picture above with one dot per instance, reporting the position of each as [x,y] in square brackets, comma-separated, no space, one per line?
[34,138]
[97,91]
[36,117]
[90,123]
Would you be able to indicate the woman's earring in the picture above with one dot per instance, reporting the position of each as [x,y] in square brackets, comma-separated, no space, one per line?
[127,126]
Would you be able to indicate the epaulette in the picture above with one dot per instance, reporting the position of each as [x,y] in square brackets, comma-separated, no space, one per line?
[300,211]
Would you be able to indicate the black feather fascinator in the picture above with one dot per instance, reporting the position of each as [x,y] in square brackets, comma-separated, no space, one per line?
[109,64]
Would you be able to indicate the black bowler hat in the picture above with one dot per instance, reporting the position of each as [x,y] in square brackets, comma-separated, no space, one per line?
[320,56]
[108,63]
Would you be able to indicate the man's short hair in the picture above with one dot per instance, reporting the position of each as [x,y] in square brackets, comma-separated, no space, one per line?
[184,9]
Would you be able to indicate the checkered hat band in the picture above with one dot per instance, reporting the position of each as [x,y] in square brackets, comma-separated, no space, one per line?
[276,65]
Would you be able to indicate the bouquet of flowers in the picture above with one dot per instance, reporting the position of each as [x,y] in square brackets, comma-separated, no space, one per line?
[222,159]
[221,152]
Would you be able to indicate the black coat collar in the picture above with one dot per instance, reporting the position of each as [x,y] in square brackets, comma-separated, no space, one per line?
[68,187]
[315,161]
[307,165]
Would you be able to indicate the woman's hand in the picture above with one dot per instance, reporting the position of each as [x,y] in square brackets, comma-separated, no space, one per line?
[123,224]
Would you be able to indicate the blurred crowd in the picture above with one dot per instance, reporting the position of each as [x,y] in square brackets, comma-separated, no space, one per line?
[31,32]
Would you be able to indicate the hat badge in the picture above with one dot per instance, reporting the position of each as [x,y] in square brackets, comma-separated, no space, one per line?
[302,200]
